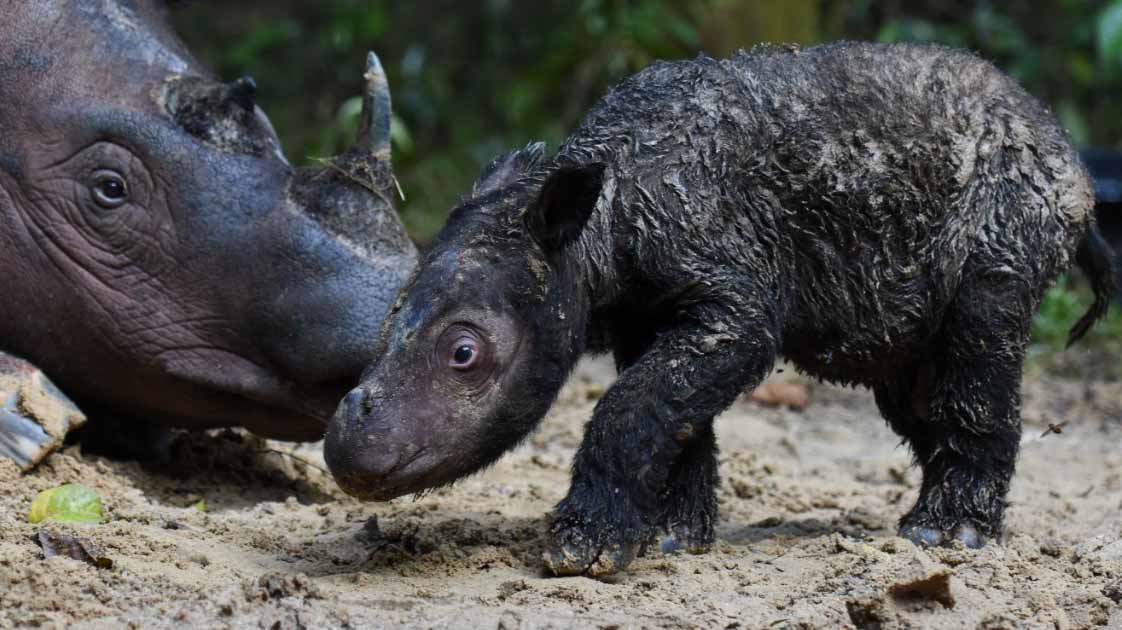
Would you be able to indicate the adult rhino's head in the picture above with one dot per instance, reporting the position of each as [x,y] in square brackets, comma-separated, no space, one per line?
[159,255]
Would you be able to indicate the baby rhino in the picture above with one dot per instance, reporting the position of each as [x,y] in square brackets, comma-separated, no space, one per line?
[883,215]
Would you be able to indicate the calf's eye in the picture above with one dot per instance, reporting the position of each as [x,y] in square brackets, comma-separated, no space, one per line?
[109,190]
[463,354]
[463,357]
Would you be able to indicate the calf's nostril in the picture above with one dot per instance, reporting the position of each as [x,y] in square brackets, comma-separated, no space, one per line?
[357,403]
[352,402]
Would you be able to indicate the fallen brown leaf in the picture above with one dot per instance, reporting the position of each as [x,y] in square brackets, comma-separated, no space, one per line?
[55,543]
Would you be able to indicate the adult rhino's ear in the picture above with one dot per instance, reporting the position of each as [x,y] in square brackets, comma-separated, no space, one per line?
[565,203]
[508,168]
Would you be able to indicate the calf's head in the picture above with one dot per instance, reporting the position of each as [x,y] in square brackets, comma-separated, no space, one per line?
[160,256]
[480,341]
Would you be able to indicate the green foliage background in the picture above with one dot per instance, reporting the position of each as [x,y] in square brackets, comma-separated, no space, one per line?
[472,79]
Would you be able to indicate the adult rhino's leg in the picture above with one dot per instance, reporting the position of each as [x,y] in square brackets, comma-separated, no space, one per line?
[125,438]
[35,416]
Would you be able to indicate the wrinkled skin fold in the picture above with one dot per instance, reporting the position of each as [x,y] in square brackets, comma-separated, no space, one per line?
[882,215]
[160,257]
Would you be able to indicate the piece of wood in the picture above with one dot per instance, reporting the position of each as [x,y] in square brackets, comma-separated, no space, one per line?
[35,416]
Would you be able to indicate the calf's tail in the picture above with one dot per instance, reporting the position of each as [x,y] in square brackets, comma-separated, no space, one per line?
[1096,259]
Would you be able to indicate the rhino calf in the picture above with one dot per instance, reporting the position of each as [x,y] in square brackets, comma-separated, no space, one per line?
[883,215]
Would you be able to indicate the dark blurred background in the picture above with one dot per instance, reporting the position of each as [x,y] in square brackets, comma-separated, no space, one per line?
[472,79]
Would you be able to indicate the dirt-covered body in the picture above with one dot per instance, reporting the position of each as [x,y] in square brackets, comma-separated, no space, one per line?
[856,195]
[160,257]
[885,215]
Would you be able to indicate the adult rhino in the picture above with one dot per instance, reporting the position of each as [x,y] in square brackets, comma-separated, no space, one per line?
[159,257]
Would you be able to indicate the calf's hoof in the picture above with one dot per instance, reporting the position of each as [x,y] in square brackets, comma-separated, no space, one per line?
[924,536]
[575,551]
[691,540]
[591,560]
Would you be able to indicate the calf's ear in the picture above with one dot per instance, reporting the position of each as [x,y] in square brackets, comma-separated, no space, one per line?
[563,206]
[508,168]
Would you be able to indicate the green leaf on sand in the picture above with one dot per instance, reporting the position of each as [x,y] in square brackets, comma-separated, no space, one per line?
[71,503]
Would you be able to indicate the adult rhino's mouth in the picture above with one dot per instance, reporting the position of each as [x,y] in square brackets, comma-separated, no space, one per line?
[272,405]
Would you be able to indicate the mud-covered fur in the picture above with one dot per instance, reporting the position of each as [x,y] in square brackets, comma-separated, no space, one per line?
[883,215]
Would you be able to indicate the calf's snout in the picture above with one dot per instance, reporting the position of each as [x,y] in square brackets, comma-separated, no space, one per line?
[362,452]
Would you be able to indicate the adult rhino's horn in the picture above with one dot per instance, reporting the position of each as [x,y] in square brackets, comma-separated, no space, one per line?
[374,129]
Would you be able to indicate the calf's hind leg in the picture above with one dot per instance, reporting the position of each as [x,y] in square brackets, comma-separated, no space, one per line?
[689,510]
[967,442]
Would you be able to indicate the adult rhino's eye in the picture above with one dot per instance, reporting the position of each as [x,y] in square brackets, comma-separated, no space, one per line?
[109,190]
[463,356]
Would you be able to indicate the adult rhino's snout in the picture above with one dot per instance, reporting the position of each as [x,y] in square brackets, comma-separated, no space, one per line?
[341,255]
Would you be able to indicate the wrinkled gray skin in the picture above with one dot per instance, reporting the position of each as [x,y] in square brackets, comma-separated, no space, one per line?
[160,257]
[884,215]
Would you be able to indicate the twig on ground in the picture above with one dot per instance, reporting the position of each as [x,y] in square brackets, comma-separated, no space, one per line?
[296,457]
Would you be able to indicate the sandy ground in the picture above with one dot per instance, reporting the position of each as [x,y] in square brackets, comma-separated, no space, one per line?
[809,502]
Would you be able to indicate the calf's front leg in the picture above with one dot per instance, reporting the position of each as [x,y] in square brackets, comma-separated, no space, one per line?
[656,409]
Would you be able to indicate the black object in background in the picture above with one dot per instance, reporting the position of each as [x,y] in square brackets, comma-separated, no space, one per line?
[1106,169]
